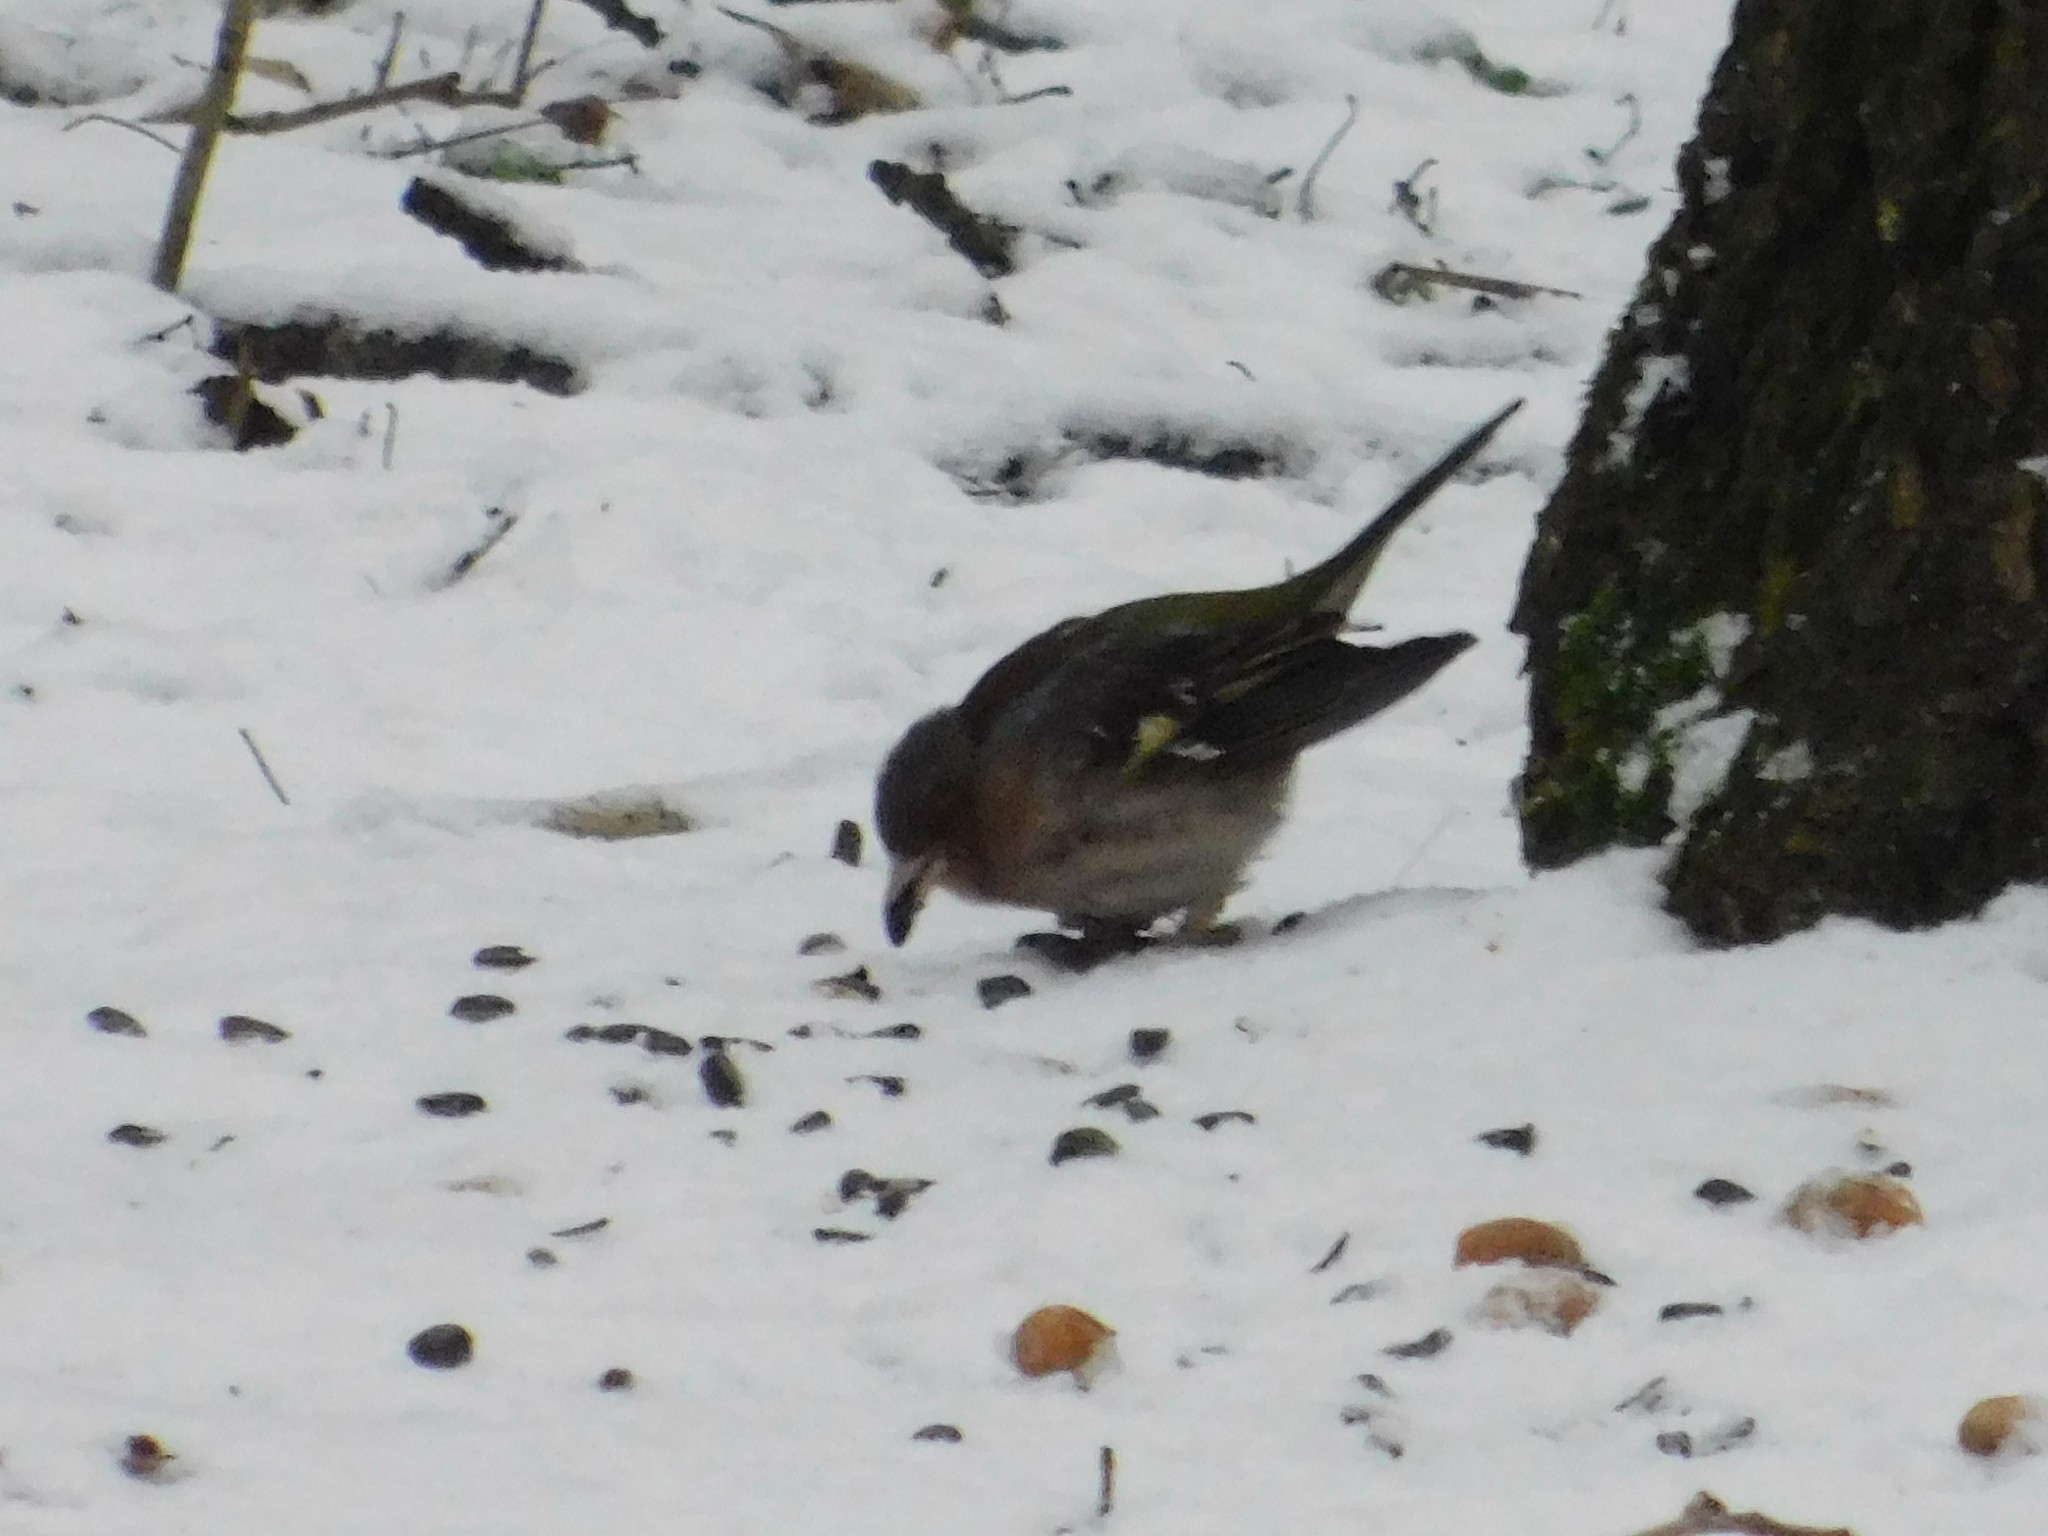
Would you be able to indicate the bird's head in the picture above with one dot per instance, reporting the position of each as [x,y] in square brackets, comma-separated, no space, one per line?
[923,799]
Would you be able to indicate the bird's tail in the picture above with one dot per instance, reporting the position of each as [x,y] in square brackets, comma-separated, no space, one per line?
[1339,579]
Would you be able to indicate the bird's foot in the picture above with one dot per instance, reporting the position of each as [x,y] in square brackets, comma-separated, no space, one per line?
[1079,953]
[1208,935]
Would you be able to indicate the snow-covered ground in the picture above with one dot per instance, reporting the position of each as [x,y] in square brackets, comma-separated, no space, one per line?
[723,589]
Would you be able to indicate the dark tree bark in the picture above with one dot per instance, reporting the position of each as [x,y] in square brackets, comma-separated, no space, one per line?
[1800,496]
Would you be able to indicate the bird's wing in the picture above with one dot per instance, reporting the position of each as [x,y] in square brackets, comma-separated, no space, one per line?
[1246,701]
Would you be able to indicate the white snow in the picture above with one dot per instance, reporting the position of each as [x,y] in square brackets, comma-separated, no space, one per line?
[754,547]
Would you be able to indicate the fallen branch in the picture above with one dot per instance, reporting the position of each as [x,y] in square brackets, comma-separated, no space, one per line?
[1399,281]
[230,48]
[615,15]
[1708,1516]
[988,243]
[1305,200]
[491,239]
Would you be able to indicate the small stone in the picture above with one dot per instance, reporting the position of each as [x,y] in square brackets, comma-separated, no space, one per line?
[816,1120]
[821,944]
[1900,1170]
[1535,1243]
[1146,1044]
[1428,1347]
[452,1106]
[1722,1192]
[442,1347]
[1519,1139]
[109,1020]
[1679,1311]
[1555,1300]
[840,1235]
[846,843]
[2015,1425]
[239,1028]
[542,1258]
[146,1458]
[720,1076]
[1083,1141]
[1063,1338]
[617,1379]
[501,957]
[481,1008]
[132,1135]
[1858,1205]
[939,1434]
[1217,1117]
[856,985]
[994,991]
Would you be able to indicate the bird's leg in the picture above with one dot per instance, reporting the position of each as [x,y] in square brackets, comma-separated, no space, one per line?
[1202,926]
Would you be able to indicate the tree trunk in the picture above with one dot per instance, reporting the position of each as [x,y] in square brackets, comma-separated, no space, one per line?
[1786,603]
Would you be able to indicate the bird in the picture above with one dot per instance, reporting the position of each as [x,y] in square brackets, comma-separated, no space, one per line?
[1127,766]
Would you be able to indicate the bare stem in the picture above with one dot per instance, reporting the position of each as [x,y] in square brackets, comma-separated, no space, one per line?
[1305,202]
[231,46]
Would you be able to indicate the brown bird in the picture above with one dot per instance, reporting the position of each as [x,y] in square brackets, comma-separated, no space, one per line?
[1126,766]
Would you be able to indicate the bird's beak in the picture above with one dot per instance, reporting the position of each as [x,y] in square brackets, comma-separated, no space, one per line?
[908,882]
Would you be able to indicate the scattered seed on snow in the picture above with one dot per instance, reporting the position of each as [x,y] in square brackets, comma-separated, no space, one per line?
[846,843]
[239,1028]
[617,1379]
[1148,1043]
[1722,1192]
[1519,1139]
[816,1120]
[939,1434]
[109,1020]
[1217,1117]
[452,1106]
[501,957]
[1679,1311]
[1428,1347]
[840,1235]
[481,1007]
[856,985]
[1083,1141]
[132,1135]
[442,1347]
[994,991]
[720,1076]
[821,944]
